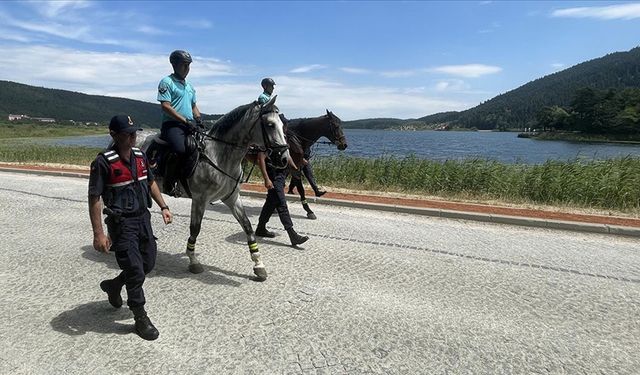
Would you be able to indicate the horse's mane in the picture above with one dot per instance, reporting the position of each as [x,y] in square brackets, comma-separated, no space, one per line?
[229,119]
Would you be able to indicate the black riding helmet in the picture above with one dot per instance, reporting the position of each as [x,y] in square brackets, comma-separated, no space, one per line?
[179,57]
[266,81]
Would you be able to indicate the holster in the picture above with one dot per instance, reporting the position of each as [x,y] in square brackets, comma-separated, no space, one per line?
[114,222]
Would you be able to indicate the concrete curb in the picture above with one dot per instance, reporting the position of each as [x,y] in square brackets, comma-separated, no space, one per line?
[449,214]
[474,216]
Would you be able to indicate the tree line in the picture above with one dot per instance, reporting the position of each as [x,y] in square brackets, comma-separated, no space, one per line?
[598,112]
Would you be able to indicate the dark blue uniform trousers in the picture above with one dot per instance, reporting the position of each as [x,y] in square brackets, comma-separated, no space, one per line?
[135,248]
[174,133]
[276,199]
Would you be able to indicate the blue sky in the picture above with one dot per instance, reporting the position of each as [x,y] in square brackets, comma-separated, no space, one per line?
[360,59]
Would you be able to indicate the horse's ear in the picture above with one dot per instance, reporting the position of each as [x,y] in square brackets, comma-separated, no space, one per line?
[328,112]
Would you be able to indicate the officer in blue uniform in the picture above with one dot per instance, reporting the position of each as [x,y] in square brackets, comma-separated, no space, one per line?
[268,84]
[121,178]
[177,99]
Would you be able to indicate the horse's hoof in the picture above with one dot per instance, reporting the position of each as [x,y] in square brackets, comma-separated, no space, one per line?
[261,273]
[311,215]
[196,268]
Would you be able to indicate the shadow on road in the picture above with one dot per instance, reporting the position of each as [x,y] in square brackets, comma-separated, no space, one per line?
[97,317]
[171,265]
[251,211]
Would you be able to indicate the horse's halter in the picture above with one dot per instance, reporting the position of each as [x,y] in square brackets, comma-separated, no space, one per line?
[338,136]
[269,148]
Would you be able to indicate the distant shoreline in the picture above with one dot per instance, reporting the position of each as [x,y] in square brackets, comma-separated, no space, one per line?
[572,137]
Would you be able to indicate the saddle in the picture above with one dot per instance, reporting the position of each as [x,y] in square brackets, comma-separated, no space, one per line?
[173,168]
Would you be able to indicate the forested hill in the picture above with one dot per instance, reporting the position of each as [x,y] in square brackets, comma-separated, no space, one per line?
[17,98]
[518,107]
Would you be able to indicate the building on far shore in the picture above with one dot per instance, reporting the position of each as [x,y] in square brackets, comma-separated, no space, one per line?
[27,117]
[17,117]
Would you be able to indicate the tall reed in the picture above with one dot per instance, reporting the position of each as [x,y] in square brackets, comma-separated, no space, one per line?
[608,184]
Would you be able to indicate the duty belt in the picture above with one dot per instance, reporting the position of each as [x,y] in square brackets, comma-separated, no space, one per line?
[110,212]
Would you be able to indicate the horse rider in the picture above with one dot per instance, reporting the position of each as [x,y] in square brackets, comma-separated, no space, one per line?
[121,177]
[268,85]
[180,116]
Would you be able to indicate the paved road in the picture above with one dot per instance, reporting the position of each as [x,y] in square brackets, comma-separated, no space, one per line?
[371,292]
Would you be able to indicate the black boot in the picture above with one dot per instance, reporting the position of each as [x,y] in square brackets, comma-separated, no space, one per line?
[261,231]
[310,214]
[144,327]
[295,238]
[291,187]
[113,292]
[320,193]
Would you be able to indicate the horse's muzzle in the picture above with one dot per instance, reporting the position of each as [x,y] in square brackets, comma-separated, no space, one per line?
[342,146]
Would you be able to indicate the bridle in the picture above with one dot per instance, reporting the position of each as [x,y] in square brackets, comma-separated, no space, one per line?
[338,136]
[268,147]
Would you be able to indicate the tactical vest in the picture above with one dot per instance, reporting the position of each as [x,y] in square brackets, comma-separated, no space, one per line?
[126,193]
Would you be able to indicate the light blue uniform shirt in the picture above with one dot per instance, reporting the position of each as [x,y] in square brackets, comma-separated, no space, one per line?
[181,95]
[263,98]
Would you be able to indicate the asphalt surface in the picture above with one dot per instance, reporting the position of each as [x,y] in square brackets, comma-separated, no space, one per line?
[370,292]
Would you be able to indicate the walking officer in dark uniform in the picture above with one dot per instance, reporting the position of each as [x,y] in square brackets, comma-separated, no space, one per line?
[277,201]
[120,176]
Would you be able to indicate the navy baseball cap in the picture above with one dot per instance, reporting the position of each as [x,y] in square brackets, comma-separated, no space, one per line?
[122,124]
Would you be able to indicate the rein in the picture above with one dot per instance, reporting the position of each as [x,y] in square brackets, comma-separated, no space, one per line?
[238,179]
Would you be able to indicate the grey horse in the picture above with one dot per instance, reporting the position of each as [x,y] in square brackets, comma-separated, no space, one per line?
[219,173]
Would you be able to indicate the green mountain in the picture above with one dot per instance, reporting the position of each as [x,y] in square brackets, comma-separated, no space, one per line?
[518,108]
[62,105]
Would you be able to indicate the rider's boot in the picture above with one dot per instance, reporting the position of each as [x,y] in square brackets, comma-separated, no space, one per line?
[144,327]
[295,238]
[319,192]
[170,181]
[310,214]
[261,231]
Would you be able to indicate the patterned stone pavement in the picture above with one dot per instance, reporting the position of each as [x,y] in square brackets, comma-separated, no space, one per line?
[370,292]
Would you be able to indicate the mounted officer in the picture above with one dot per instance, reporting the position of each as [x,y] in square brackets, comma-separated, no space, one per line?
[268,85]
[120,176]
[180,118]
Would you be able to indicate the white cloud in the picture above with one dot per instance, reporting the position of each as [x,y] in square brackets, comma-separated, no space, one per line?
[150,30]
[451,85]
[52,9]
[557,66]
[301,97]
[307,68]
[97,72]
[220,87]
[399,73]
[611,12]
[468,70]
[355,70]
[195,23]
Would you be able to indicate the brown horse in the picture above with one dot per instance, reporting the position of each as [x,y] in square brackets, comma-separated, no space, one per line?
[302,134]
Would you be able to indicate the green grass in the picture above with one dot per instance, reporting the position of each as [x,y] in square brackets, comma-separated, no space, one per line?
[610,184]
[32,153]
[20,130]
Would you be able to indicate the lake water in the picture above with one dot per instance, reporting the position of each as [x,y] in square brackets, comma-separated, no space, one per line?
[504,147]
